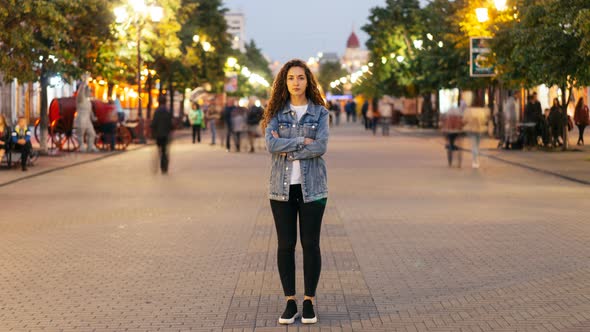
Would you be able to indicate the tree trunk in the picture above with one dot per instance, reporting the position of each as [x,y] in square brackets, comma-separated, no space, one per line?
[437,118]
[171,92]
[149,88]
[44,116]
[427,112]
[564,115]
[182,104]
[110,88]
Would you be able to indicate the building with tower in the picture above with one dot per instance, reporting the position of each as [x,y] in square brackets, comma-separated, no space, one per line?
[354,57]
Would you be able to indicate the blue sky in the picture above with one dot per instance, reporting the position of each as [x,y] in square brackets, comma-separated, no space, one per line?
[302,28]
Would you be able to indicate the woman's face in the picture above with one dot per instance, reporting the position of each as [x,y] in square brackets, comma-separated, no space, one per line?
[555,102]
[296,81]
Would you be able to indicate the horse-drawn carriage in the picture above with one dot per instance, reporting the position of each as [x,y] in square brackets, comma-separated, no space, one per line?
[62,132]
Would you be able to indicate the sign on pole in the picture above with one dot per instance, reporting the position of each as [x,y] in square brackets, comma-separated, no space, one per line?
[480,64]
[231,82]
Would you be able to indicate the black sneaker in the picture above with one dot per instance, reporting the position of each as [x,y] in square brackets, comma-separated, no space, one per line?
[290,313]
[309,316]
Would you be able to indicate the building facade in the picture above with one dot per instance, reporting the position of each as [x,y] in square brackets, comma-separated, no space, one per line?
[236,27]
[354,57]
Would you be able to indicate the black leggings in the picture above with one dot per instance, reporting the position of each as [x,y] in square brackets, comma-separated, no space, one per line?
[581,131]
[310,222]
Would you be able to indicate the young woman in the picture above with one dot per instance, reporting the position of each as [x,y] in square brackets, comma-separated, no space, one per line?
[581,119]
[296,131]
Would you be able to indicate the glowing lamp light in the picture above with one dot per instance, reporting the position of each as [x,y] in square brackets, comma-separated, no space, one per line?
[500,4]
[371,64]
[121,14]
[156,13]
[138,5]
[482,14]
[418,43]
[383,60]
[206,46]
[429,36]
[231,61]
[343,80]
[400,58]
[365,69]
[440,44]
[246,72]
[196,38]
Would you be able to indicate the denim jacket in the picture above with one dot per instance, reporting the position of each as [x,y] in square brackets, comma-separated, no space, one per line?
[289,147]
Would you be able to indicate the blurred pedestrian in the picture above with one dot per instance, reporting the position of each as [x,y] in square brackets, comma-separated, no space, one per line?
[4,136]
[296,131]
[196,119]
[239,125]
[452,127]
[335,107]
[475,123]
[386,112]
[253,120]
[581,119]
[510,121]
[364,111]
[212,116]
[373,118]
[227,118]
[161,127]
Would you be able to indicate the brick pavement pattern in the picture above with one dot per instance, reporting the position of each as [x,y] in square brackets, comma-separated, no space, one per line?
[408,244]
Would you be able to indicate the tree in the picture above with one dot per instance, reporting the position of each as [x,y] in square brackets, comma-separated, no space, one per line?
[47,37]
[329,72]
[205,19]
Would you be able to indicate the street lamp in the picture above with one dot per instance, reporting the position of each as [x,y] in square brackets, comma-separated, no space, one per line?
[140,14]
[482,14]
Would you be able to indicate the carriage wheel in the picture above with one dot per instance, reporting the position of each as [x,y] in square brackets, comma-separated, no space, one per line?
[123,138]
[99,141]
[37,133]
[65,139]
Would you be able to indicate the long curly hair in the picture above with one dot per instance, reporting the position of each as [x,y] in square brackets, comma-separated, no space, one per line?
[280,94]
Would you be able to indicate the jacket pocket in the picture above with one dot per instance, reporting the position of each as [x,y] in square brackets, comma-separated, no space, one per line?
[310,130]
[285,130]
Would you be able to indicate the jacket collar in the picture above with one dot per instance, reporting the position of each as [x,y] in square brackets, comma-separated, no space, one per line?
[312,108]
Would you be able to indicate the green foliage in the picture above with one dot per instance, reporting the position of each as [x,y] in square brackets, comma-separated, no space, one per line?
[546,44]
[204,18]
[329,72]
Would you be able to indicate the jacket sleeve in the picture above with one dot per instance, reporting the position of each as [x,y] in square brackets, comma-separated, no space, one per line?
[319,145]
[280,145]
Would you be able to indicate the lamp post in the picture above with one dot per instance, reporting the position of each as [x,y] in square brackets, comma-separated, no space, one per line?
[141,13]
[205,48]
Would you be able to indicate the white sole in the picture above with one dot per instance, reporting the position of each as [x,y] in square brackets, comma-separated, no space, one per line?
[309,320]
[290,321]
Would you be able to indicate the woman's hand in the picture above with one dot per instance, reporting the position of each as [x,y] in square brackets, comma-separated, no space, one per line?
[308,141]
[274,134]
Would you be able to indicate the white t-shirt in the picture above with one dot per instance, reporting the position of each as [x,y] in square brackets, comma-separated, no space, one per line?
[296,168]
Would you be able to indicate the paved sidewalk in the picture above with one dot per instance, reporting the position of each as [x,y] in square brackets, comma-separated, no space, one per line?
[407,244]
[58,160]
[573,164]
